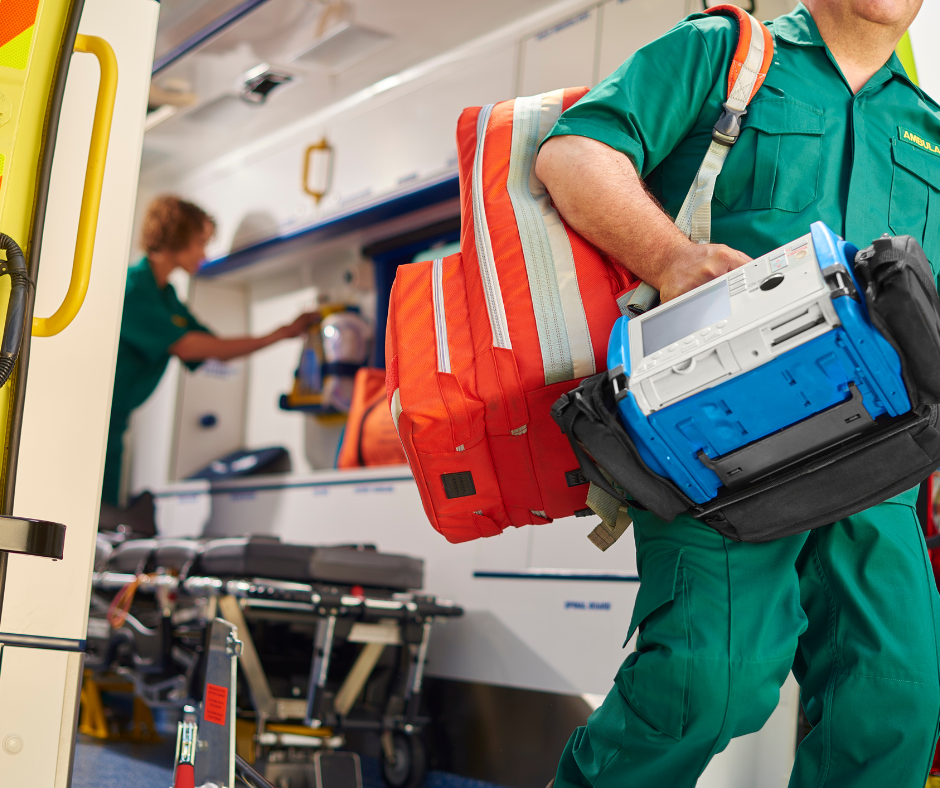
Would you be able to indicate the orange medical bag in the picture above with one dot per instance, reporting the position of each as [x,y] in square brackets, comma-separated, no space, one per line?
[370,437]
[480,344]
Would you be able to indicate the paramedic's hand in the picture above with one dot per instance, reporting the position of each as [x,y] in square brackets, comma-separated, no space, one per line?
[300,325]
[695,264]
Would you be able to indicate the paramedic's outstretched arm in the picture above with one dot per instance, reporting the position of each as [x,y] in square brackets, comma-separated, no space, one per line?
[198,345]
[599,193]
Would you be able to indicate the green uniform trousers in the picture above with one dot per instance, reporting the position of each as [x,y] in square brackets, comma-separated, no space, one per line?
[851,608]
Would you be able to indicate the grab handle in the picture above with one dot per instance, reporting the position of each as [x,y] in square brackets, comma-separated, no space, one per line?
[320,148]
[91,194]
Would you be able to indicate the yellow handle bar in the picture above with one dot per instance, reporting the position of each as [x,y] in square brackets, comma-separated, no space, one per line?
[91,195]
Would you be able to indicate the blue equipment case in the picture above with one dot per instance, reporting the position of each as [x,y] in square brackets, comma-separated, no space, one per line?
[804,395]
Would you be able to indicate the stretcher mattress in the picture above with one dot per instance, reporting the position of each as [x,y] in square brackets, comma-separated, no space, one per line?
[267,557]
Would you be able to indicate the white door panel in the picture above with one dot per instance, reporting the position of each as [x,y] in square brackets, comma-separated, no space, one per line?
[68,395]
[32,688]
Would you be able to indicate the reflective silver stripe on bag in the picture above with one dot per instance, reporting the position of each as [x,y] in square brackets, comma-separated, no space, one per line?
[440,318]
[484,246]
[564,336]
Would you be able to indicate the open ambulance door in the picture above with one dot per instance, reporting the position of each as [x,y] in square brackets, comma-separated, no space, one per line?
[74,79]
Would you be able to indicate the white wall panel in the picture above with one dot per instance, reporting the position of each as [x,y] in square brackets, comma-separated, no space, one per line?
[926,52]
[560,56]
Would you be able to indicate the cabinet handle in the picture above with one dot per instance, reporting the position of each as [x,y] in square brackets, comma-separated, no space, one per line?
[91,193]
[322,145]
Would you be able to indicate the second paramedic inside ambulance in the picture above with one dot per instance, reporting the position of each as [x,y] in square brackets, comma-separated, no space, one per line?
[852,607]
[156,325]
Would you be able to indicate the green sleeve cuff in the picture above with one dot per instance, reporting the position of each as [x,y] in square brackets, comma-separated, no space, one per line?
[609,134]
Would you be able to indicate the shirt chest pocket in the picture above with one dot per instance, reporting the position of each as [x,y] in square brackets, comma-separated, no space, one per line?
[915,197]
[775,162]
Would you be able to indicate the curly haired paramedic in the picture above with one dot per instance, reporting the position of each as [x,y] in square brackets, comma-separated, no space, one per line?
[157,325]
[839,133]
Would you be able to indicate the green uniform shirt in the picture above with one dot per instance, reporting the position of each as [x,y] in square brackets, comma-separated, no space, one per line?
[153,320]
[809,149]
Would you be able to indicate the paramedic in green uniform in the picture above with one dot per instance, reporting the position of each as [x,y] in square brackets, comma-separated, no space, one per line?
[156,325]
[839,133]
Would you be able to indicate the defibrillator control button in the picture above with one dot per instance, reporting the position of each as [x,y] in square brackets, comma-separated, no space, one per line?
[672,348]
[704,332]
[657,354]
[771,282]
[688,340]
[721,324]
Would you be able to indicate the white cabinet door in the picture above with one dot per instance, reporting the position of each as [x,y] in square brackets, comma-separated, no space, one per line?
[628,25]
[393,141]
[409,139]
[561,56]
[215,389]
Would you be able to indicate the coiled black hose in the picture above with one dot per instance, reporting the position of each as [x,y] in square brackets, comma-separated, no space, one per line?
[15,326]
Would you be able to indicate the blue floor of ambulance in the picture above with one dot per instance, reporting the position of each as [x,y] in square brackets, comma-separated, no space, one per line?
[100,765]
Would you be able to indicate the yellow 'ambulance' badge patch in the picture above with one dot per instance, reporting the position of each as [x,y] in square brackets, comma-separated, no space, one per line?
[179,320]
[920,142]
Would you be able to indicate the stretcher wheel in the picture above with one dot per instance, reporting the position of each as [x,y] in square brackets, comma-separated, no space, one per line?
[411,762]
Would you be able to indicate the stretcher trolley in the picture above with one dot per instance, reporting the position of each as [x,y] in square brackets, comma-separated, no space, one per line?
[334,640]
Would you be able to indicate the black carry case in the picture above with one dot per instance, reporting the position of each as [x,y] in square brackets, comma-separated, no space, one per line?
[267,557]
[824,486]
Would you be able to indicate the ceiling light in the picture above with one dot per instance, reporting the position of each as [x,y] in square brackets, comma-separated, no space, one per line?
[260,82]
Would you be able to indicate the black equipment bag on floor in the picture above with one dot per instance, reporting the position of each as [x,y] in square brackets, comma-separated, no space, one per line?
[819,489]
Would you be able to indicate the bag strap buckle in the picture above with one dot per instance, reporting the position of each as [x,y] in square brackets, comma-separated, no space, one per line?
[728,128]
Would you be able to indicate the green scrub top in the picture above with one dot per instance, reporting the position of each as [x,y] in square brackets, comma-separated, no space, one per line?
[154,319]
[809,149]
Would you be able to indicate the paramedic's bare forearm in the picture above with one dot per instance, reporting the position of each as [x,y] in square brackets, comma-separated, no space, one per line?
[198,345]
[598,192]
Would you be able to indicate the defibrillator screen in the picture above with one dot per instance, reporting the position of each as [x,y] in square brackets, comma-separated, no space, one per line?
[670,323]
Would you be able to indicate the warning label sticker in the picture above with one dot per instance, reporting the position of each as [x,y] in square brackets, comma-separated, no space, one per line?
[216,701]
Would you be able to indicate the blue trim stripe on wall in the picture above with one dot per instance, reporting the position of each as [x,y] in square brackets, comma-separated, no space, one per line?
[446,188]
[559,574]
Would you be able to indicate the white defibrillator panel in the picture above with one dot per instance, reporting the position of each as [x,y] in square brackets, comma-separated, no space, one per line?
[729,326]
